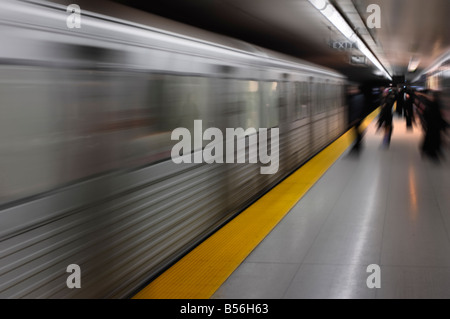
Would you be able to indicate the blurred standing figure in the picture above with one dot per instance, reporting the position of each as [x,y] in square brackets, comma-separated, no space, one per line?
[433,124]
[385,117]
[356,104]
[400,102]
[409,109]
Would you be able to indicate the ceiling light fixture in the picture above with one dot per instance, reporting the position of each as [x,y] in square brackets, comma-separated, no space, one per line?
[413,64]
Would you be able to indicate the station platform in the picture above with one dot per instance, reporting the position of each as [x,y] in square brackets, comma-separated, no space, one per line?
[316,234]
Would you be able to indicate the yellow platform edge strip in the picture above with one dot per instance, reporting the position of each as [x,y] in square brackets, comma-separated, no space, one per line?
[202,271]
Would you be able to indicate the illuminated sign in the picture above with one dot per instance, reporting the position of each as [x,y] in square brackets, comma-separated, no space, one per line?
[343,45]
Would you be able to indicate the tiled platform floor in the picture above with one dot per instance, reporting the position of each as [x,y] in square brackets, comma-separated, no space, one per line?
[388,207]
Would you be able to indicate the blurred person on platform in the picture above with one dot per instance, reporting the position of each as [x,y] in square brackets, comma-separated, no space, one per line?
[385,117]
[433,124]
[409,109]
[356,102]
[400,109]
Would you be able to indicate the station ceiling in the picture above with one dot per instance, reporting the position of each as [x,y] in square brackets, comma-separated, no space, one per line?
[410,29]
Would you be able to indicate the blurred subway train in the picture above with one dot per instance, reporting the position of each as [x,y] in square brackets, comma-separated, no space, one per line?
[86,175]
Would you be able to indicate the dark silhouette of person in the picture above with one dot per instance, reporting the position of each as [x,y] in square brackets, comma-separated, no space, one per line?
[356,104]
[400,102]
[385,117]
[433,124]
[409,109]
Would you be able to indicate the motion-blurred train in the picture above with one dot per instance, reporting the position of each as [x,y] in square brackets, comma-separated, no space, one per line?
[86,115]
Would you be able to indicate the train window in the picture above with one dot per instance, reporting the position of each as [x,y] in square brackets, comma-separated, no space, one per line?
[330,96]
[321,97]
[341,96]
[301,100]
[335,96]
[326,97]
[318,94]
[338,95]
[305,100]
[243,100]
[314,98]
[270,98]
[297,101]
[252,102]
[31,130]
[183,100]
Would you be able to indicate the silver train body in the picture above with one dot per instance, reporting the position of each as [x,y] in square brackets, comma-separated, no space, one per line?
[86,175]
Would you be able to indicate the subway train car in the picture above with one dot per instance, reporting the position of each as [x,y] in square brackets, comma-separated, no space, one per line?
[87,116]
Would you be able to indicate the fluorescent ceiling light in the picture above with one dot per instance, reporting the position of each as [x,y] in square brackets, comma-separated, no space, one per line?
[338,21]
[319,4]
[330,12]
[413,64]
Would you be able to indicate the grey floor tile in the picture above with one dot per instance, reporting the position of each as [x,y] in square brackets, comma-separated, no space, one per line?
[415,250]
[414,283]
[330,282]
[415,236]
[356,246]
[291,239]
[257,281]
[285,245]
[352,234]
[443,199]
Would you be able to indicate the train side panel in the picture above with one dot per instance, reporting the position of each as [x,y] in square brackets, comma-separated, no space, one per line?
[85,144]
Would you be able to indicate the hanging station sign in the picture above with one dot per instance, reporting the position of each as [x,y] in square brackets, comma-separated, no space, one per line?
[343,45]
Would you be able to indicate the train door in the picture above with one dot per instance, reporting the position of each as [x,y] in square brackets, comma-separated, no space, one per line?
[301,132]
[285,110]
[239,112]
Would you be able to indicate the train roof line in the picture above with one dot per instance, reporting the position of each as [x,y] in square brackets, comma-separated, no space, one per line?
[259,52]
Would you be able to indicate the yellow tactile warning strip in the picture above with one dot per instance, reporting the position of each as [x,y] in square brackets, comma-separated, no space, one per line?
[201,272]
